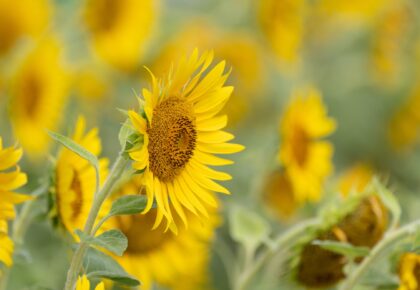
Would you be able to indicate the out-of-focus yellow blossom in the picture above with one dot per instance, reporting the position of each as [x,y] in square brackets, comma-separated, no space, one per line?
[404,126]
[307,159]
[9,181]
[239,50]
[157,256]
[120,29]
[389,34]
[84,284]
[182,131]
[90,85]
[282,23]
[279,195]
[410,272]
[21,18]
[75,179]
[38,94]
[355,178]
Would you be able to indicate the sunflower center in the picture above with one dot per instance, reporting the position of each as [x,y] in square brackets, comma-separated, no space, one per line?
[76,187]
[300,142]
[138,230]
[103,14]
[416,273]
[172,138]
[31,95]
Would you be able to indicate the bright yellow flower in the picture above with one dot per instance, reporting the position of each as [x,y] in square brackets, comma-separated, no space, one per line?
[9,181]
[282,22]
[410,272]
[355,178]
[306,158]
[178,262]
[39,92]
[75,179]
[240,50]
[84,284]
[182,132]
[21,18]
[120,29]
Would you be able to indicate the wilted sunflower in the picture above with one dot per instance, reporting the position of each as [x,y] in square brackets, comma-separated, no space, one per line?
[21,18]
[120,29]
[39,92]
[75,179]
[9,181]
[306,158]
[410,272]
[181,132]
[159,256]
[84,284]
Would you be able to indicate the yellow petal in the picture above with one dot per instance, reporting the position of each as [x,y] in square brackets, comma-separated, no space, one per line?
[213,124]
[210,159]
[224,148]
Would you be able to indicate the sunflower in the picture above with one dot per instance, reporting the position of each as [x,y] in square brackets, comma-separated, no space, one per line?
[282,23]
[21,18]
[120,29]
[84,284]
[181,132]
[75,179]
[306,159]
[410,272]
[9,181]
[157,256]
[39,92]
[355,178]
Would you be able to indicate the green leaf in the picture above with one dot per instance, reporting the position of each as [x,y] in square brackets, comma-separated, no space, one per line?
[390,202]
[79,150]
[128,204]
[345,249]
[100,265]
[125,131]
[248,228]
[113,240]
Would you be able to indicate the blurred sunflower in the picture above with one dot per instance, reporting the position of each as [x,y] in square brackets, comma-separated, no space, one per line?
[282,22]
[410,272]
[181,133]
[355,178]
[39,92]
[306,159]
[178,262]
[9,181]
[120,29]
[84,284]
[21,18]
[75,179]
[240,50]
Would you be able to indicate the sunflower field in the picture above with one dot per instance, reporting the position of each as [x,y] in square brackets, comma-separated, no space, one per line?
[209,144]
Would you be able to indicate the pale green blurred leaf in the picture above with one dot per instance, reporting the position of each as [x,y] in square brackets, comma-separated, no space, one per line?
[128,204]
[345,249]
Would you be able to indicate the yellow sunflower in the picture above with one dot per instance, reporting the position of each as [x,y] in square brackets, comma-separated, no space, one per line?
[282,22]
[306,158]
[39,91]
[120,29]
[182,132]
[75,179]
[9,181]
[158,256]
[21,18]
[355,178]
[410,272]
[84,284]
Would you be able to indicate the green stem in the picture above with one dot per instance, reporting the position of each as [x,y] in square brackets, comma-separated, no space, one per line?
[77,260]
[20,226]
[378,251]
[282,242]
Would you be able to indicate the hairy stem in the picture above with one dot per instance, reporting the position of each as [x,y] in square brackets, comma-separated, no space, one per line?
[77,260]
[378,251]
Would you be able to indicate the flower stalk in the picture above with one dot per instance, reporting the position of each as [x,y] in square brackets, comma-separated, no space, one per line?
[77,260]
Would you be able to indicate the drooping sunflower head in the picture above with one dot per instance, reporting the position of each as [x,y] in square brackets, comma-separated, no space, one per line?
[307,159]
[10,180]
[182,131]
[75,179]
[409,272]
[157,256]
[38,95]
